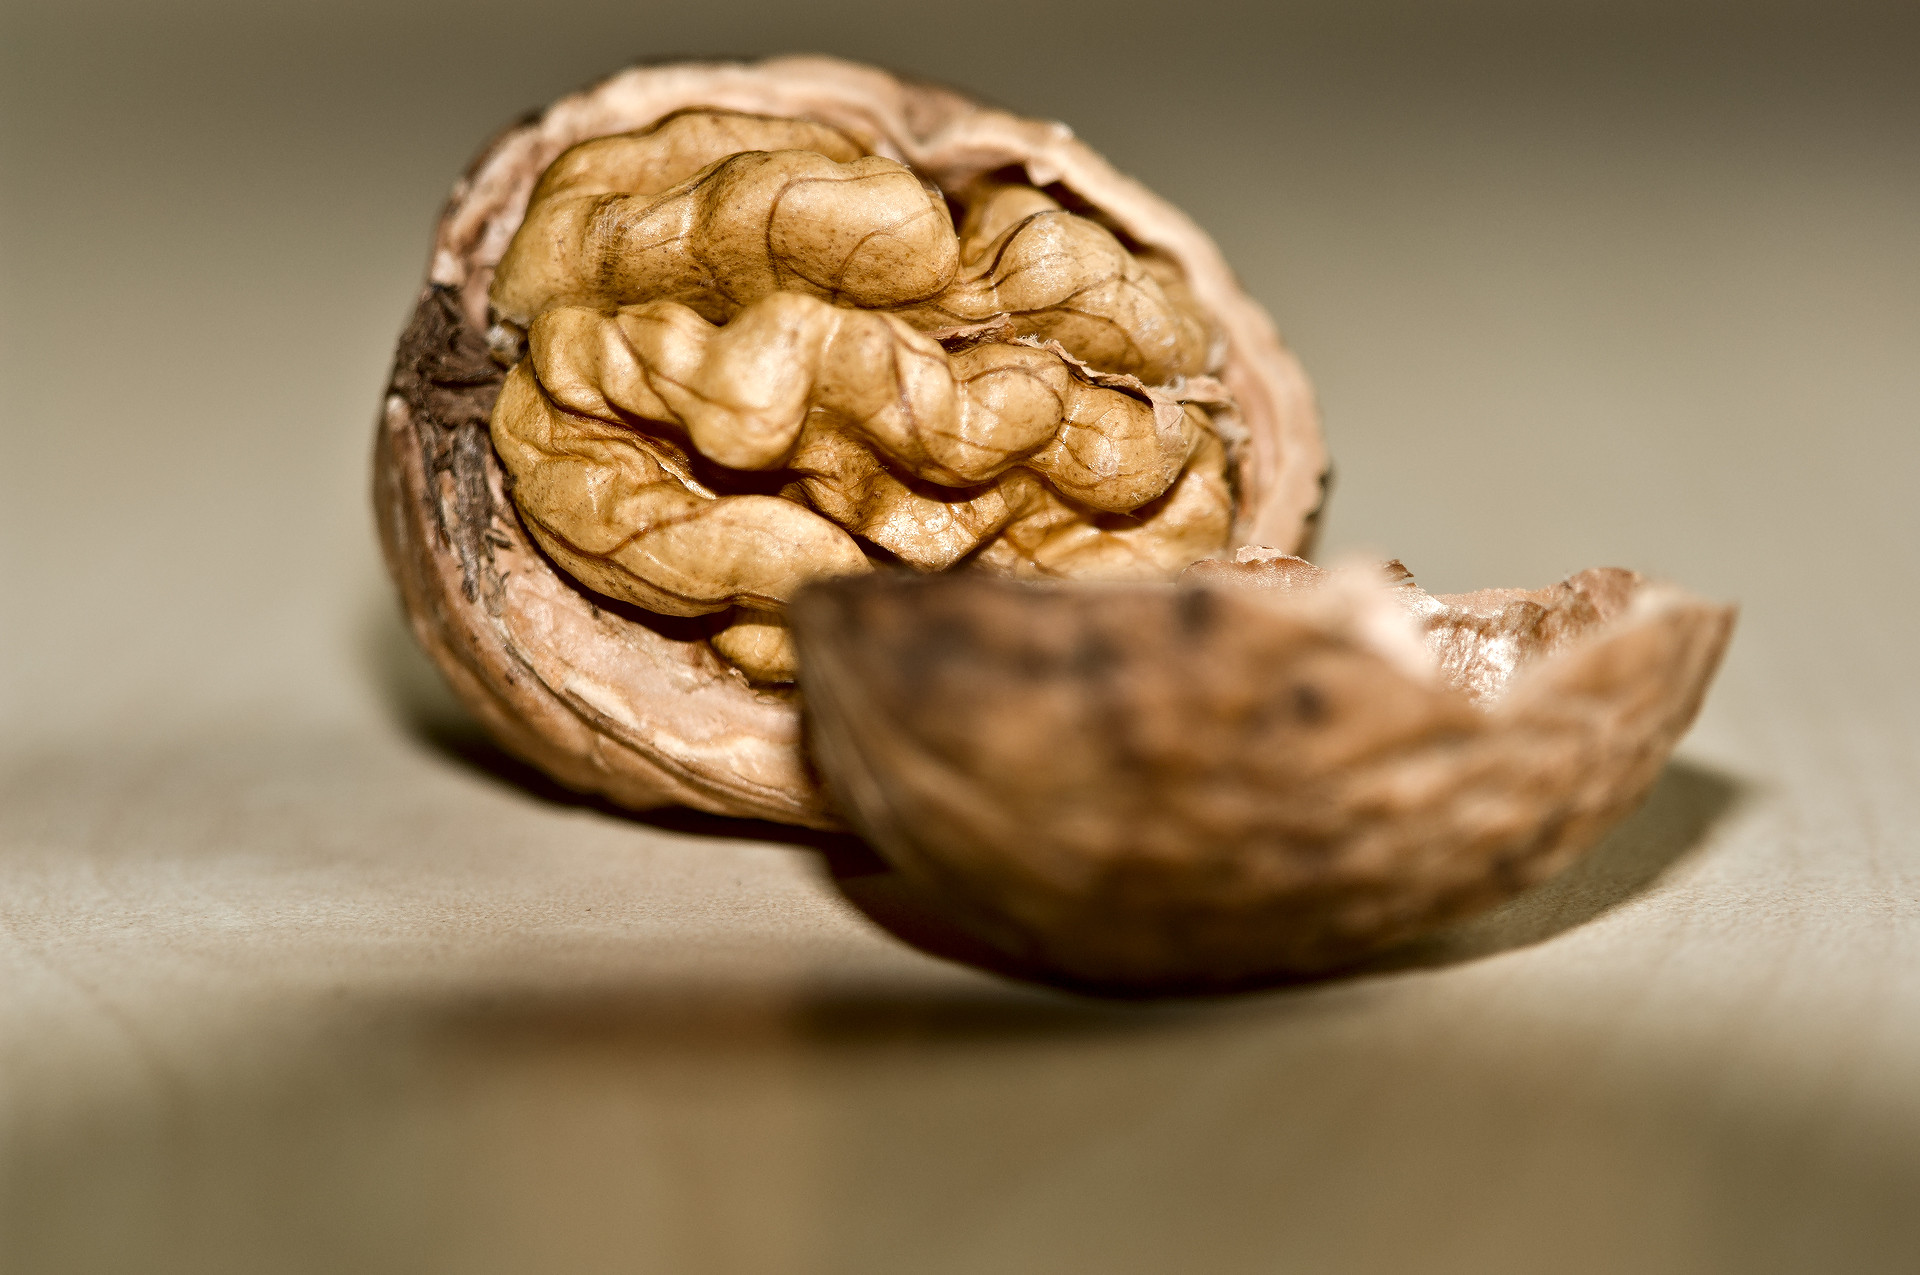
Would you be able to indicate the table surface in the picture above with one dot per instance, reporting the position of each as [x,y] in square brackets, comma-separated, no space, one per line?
[297,973]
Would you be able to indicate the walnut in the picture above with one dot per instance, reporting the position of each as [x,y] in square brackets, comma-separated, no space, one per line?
[1264,770]
[704,333]
[731,374]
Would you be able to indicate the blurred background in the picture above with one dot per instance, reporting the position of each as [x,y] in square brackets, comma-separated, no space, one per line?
[297,975]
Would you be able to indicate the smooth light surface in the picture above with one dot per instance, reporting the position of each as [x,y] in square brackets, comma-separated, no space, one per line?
[297,975]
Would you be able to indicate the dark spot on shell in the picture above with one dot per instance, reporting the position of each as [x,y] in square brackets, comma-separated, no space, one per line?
[1195,612]
[1094,656]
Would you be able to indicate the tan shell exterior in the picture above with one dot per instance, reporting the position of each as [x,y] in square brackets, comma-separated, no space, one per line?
[609,699]
[1255,774]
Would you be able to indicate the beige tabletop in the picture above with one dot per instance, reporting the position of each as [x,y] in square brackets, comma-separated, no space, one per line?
[298,974]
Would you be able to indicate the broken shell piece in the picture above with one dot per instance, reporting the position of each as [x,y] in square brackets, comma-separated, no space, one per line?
[1239,777]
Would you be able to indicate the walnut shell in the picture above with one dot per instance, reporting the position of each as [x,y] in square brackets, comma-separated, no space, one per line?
[612,699]
[1264,770]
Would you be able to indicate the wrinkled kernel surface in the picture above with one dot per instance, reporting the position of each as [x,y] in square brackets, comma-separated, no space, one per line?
[758,355]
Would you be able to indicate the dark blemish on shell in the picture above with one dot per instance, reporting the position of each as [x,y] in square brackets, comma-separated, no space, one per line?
[1195,611]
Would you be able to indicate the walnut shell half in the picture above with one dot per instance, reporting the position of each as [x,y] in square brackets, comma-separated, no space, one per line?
[652,709]
[1265,770]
